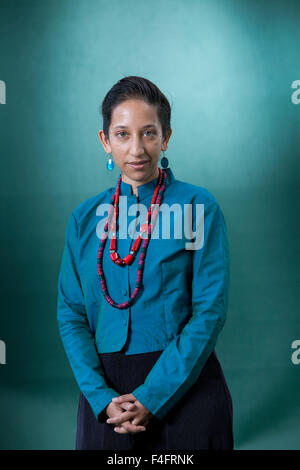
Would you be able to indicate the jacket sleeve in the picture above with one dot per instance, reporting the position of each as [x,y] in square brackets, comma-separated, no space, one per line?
[180,364]
[75,332]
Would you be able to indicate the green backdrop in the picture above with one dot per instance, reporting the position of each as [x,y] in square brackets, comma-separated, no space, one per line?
[228,68]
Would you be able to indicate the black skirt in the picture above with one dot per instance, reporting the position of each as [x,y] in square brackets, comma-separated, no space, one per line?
[201,419]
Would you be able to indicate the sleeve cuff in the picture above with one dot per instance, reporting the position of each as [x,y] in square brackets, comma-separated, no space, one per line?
[101,415]
[142,394]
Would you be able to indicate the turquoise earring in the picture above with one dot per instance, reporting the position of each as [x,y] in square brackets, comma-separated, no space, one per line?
[110,164]
[164,161]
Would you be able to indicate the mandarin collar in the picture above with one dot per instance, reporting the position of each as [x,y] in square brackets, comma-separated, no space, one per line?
[147,189]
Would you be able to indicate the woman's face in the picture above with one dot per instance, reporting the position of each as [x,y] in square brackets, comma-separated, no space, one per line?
[135,141]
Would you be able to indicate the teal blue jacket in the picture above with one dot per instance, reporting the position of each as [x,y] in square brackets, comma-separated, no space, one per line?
[182,307]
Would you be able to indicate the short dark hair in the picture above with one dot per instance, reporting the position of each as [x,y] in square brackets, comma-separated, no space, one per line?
[133,87]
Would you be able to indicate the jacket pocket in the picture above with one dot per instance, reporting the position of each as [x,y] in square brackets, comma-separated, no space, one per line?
[169,330]
[177,312]
[176,272]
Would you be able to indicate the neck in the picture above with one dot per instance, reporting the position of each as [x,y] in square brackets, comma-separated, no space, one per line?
[136,184]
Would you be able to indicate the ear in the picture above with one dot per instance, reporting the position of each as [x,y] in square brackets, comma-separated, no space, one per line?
[104,141]
[165,141]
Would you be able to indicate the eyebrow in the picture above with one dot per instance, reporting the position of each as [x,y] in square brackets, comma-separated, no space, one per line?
[144,127]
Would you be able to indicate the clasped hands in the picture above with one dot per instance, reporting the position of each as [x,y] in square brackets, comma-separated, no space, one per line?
[128,414]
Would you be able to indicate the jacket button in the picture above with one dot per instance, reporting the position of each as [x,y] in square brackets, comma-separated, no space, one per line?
[124,291]
[125,322]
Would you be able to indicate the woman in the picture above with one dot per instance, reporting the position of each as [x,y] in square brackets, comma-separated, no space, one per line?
[140,307]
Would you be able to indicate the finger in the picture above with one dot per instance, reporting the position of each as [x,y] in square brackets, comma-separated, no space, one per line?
[133,429]
[140,419]
[128,406]
[128,428]
[122,398]
[140,422]
[121,418]
[120,430]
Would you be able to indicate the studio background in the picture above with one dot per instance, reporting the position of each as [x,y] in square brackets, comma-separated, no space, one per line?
[227,68]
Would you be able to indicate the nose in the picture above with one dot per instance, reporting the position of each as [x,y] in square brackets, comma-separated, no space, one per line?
[136,146]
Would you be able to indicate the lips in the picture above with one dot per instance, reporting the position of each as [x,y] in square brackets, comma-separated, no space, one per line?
[139,164]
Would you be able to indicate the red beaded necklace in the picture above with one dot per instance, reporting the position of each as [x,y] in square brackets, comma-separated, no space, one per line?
[146,227]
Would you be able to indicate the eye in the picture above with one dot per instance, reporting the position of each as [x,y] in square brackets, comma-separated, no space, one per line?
[122,132]
[151,133]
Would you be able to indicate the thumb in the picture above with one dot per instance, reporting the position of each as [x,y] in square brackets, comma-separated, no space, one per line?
[123,398]
[127,405]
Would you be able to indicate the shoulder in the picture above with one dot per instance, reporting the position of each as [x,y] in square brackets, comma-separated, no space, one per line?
[88,208]
[193,193]
[199,197]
